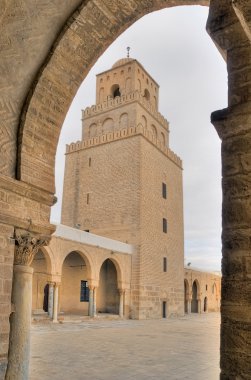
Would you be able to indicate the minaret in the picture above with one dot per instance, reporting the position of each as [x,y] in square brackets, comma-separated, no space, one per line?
[122,181]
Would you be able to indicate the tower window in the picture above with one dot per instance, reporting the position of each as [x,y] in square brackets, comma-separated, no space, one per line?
[90,161]
[115,91]
[164,225]
[147,94]
[84,291]
[164,190]
[164,264]
[88,198]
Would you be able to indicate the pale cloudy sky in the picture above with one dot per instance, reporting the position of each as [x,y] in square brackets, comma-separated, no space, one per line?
[175,49]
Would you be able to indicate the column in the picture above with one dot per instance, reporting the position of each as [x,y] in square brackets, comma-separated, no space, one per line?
[50,299]
[90,313]
[94,302]
[121,303]
[199,305]
[233,125]
[189,305]
[27,245]
[55,304]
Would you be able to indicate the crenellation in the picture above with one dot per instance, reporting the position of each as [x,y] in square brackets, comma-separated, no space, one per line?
[125,99]
[122,134]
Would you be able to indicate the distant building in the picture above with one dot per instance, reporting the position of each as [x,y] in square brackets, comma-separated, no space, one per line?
[120,248]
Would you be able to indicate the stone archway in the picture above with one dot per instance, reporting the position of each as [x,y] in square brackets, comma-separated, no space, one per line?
[51,86]
[74,289]
[194,303]
[108,298]
[40,283]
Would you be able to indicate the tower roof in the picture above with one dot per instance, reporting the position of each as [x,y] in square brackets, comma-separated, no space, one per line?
[122,61]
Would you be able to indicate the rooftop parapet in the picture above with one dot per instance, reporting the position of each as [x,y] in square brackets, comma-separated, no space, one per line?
[80,236]
[121,134]
[124,99]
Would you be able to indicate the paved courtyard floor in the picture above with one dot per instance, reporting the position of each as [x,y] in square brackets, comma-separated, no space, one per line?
[173,349]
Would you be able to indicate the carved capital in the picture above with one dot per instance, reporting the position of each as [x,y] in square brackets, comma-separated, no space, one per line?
[27,245]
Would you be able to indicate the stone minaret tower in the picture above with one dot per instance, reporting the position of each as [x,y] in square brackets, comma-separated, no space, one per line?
[122,181]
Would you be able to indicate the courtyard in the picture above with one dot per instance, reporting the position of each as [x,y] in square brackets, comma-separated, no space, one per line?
[104,349]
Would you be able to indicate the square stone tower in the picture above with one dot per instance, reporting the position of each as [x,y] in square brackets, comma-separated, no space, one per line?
[122,181]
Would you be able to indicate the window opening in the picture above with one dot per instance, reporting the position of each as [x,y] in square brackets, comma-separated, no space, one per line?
[164,225]
[164,264]
[164,309]
[163,190]
[84,291]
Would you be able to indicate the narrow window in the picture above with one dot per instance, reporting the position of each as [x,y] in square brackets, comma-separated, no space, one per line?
[164,225]
[164,264]
[206,287]
[87,198]
[90,162]
[84,291]
[164,309]
[163,190]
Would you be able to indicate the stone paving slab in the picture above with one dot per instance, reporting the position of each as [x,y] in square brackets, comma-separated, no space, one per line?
[175,349]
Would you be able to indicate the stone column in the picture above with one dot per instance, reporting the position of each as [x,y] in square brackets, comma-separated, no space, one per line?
[94,302]
[199,305]
[121,302]
[233,125]
[27,245]
[189,306]
[91,290]
[50,299]
[55,303]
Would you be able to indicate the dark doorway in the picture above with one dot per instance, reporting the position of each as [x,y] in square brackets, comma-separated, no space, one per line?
[46,295]
[164,309]
[194,305]
[205,304]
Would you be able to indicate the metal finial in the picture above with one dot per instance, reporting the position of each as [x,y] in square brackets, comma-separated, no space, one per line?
[128,51]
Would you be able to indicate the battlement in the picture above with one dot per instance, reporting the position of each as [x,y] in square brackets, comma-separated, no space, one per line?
[125,99]
[121,134]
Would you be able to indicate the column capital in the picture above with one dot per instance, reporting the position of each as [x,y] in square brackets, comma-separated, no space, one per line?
[122,291]
[27,245]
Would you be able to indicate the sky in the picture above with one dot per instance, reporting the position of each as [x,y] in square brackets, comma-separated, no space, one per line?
[175,49]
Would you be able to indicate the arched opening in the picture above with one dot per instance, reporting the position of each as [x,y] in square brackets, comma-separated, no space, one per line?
[205,305]
[186,294]
[107,293]
[108,125]
[123,121]
[40,286]
[115,91]
[194,304]
[146,94]
[128,85]
[74,292]
[154,131]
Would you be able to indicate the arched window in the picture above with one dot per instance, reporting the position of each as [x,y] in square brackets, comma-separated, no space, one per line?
[101,95]
[108,125]
[147,94]
[128,85]
[93,130]
[139,85]
[154,131]
[144,121]
[163,140]
[123,120]
[115,91]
